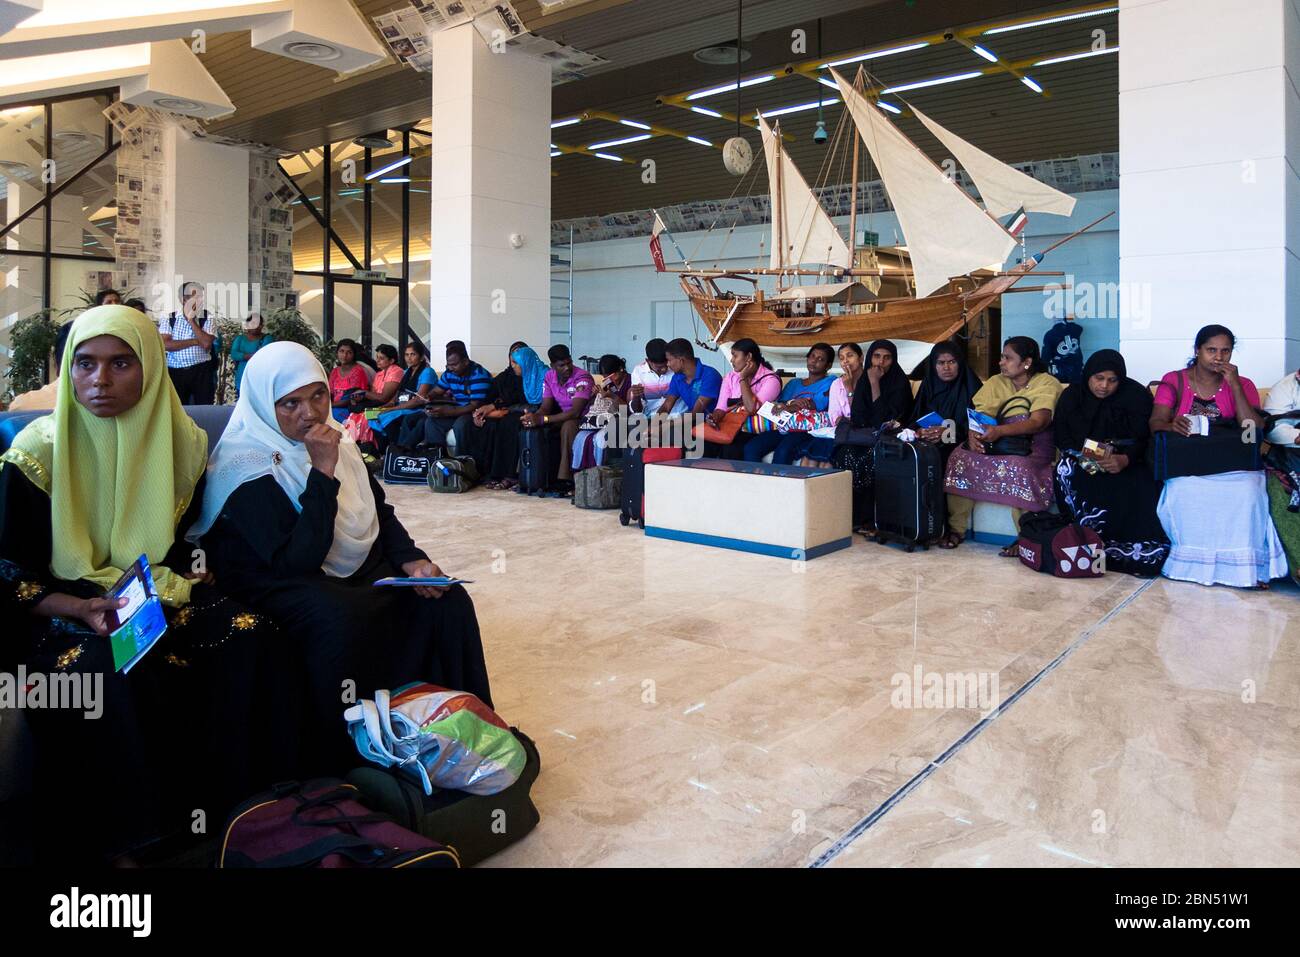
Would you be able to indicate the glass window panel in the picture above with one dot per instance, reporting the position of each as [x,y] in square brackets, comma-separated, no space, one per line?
[85,214]
[311,301]
[21,282]
[22,151]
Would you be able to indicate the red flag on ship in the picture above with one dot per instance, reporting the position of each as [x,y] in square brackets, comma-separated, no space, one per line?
[1016,225]
[655,250]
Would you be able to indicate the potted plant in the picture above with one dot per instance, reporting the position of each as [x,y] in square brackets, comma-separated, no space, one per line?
[31,340]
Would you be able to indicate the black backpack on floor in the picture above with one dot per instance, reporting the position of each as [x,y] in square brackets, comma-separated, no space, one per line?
[477,826]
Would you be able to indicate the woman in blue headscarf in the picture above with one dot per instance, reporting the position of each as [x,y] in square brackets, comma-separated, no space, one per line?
[493,438]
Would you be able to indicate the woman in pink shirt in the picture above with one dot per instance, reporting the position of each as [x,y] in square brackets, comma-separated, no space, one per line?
[751,382]
[1219,525]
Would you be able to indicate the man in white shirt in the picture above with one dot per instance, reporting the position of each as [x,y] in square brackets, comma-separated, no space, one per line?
[1284,397]
[650,379]
[187,336]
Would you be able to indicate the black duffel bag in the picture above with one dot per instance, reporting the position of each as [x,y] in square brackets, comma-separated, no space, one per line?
[1225,449]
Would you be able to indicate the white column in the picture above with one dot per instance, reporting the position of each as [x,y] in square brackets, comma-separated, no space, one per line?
[491,180]
[1209,191]
[207,227]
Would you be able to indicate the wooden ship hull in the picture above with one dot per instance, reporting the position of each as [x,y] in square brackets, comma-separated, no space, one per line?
[931,319]
[804,322]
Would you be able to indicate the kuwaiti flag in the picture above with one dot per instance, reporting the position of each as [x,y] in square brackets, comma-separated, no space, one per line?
[1016,224]
[655,250]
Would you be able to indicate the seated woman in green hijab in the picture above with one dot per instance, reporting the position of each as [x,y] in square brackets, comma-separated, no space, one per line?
[85,491]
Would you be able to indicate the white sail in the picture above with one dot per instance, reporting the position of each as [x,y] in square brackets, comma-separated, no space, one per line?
[1003,189]
[947,232]
[801,230]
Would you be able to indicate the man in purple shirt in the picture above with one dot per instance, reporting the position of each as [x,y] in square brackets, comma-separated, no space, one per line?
[566,393]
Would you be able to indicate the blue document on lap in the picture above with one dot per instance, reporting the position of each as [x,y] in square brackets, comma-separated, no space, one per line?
[137,626]
[438,581]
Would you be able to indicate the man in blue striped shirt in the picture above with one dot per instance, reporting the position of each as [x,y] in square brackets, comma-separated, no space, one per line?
[462,389]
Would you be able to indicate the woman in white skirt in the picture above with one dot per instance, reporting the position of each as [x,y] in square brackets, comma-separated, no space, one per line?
[1219,524]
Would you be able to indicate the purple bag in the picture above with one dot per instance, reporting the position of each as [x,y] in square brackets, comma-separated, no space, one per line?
[321,823]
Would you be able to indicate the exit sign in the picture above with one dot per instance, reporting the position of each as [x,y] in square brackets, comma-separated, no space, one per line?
[370,275]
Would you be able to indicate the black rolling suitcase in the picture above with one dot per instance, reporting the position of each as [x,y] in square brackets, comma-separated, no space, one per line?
[534,465]
[634,480]
[910,504]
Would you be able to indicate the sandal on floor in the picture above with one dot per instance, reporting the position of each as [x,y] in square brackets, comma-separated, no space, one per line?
[950,540]
[866,531]
[1009,551]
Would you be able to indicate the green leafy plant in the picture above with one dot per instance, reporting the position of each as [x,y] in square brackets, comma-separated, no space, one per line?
[290,325]
[31,341]
[86,300]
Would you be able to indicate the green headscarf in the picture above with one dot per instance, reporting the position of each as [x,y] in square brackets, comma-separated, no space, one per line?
[118,486]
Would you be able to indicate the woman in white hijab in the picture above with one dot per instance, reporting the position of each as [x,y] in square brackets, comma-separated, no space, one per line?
[294,526]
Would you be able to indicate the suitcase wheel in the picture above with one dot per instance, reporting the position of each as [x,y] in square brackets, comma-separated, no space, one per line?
[623,519]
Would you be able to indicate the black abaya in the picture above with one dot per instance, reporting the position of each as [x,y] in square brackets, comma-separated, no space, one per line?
[192,726]
[350,635]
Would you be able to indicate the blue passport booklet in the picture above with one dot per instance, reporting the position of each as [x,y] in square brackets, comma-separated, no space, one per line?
[140,623]
[929,420]
[441,581]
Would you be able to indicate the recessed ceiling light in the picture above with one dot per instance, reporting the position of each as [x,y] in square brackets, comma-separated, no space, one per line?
[724,54]
[374,141]
[177,104]
[311,50]
[76,138]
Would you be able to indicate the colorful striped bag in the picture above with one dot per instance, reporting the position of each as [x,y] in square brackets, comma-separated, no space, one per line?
[445,739]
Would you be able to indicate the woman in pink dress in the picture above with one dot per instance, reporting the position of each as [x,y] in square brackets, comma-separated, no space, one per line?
[381,392]
[344,377]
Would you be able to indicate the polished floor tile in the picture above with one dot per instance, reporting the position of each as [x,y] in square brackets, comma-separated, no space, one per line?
[702,707]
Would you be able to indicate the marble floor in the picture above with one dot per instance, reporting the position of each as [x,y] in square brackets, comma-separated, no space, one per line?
[701,707]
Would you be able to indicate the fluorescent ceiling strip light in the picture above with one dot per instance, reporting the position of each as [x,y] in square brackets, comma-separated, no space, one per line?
[696,139]
[1050,20]
[903,88]
[991,57]
[889,106]
[730,87]
[558,123]
[635,125]
[799,108]
[713,113]
[1029,82]
[610,156]
[396,179]
[396,164]
[630,139]
[878,53]
[1077,56]
[557,153]
[827,81]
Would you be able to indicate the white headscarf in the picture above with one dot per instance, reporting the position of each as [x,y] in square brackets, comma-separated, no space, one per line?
[253,445]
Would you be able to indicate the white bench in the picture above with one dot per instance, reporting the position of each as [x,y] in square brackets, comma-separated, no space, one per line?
[786,511]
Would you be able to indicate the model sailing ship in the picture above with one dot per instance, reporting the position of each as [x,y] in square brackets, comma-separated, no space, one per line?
[949,271]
